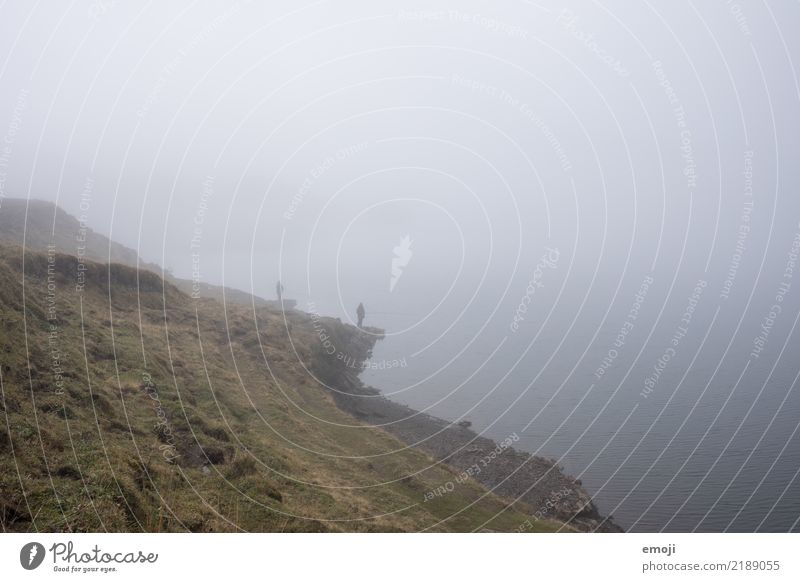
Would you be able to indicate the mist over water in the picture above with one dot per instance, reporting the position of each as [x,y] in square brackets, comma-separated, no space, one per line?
[578,225]
[714,436]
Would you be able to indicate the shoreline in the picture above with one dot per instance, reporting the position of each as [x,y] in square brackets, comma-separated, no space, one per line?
[513,475]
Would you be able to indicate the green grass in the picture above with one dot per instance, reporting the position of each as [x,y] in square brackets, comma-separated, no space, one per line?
[252,455]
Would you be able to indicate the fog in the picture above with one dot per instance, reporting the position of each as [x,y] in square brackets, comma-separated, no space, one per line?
[304,142]
[576,223]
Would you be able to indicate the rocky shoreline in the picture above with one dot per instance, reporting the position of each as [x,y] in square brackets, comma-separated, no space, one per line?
[511,474]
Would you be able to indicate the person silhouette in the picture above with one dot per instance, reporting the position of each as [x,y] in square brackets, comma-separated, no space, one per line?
[279,291]
[360,312]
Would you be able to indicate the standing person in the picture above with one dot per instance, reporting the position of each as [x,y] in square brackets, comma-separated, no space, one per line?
[279,290]
[360,313]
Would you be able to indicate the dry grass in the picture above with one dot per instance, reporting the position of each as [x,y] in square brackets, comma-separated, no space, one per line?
[261,446]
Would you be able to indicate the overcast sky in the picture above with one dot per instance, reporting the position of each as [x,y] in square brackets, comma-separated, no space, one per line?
[306,140]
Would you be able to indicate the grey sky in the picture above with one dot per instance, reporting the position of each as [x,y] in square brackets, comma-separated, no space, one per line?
[485,131]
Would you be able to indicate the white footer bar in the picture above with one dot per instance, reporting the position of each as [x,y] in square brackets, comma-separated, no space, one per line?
[389,557]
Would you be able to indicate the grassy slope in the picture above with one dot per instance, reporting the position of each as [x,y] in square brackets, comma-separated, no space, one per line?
[261,445]
[39,223]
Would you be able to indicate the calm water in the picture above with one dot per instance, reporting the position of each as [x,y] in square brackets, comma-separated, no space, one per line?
[713,444]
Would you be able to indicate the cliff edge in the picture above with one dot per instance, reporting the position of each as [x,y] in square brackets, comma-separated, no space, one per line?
[512,474]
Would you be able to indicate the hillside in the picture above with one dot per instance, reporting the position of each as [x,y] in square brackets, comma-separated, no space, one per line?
[125,405]
[39,223]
